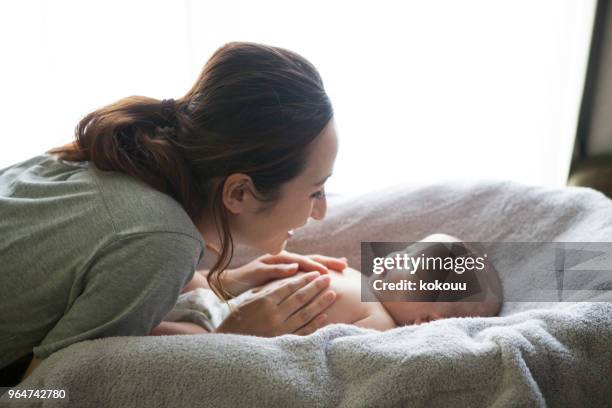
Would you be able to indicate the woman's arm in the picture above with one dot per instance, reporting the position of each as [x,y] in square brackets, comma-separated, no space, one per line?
[173,328]
[33,364]
[198,281]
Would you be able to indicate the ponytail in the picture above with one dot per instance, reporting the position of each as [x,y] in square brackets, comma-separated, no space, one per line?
[138,136]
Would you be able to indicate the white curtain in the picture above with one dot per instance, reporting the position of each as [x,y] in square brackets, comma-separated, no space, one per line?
[423,90]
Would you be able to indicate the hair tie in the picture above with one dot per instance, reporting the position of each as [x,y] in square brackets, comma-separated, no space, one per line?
[169,111]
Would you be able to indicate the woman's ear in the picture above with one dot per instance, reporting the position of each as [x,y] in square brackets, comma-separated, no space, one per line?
[234,192]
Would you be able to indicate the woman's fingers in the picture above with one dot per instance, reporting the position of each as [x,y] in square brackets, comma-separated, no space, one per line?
[337,264]
[315,262]
[279,294]
[306,264]
[281,270]
[308,315]
[298,299]
[296,306]
[314,325]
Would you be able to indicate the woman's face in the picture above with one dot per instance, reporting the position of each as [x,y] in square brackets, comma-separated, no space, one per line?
[301,198]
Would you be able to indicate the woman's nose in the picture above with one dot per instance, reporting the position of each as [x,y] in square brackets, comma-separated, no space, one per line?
[319,208]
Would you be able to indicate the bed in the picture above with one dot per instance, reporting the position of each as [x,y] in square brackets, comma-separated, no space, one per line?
[533,354]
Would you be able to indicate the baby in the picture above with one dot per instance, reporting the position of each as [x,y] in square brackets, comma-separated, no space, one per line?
[384,312]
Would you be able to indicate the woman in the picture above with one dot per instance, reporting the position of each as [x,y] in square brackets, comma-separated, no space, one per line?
[101,235]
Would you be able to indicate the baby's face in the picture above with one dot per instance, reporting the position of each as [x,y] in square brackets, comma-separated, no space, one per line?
[423,312]
[415,312]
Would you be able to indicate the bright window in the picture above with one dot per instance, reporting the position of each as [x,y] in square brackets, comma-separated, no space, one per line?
[423,91]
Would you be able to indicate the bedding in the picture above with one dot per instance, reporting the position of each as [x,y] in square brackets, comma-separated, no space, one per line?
[533,354]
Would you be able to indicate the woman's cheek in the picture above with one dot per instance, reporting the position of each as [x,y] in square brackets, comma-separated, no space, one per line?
[296,217]
[305,213]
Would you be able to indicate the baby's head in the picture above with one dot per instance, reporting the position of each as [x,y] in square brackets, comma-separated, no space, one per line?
[416,311]
[481,296]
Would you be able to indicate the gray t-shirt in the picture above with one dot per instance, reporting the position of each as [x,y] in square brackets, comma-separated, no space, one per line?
[86,254]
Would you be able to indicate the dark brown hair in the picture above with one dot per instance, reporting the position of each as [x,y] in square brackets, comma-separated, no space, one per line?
[254,109]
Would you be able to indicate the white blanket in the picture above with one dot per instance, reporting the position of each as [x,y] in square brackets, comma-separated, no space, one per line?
[535,354]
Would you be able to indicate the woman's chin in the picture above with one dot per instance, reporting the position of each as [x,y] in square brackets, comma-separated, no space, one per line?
[280,248]
[271,247]
[283,244]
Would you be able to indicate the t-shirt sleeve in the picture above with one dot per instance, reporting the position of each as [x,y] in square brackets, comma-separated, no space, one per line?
[128,289]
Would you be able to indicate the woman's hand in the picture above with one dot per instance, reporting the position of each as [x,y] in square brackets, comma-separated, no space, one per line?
[295,307]
[270,267]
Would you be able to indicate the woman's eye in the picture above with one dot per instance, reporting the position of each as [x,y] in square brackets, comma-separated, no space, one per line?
[319,194]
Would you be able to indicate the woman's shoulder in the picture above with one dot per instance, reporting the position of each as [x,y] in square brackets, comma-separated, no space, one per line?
[134,205]
[87,195]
